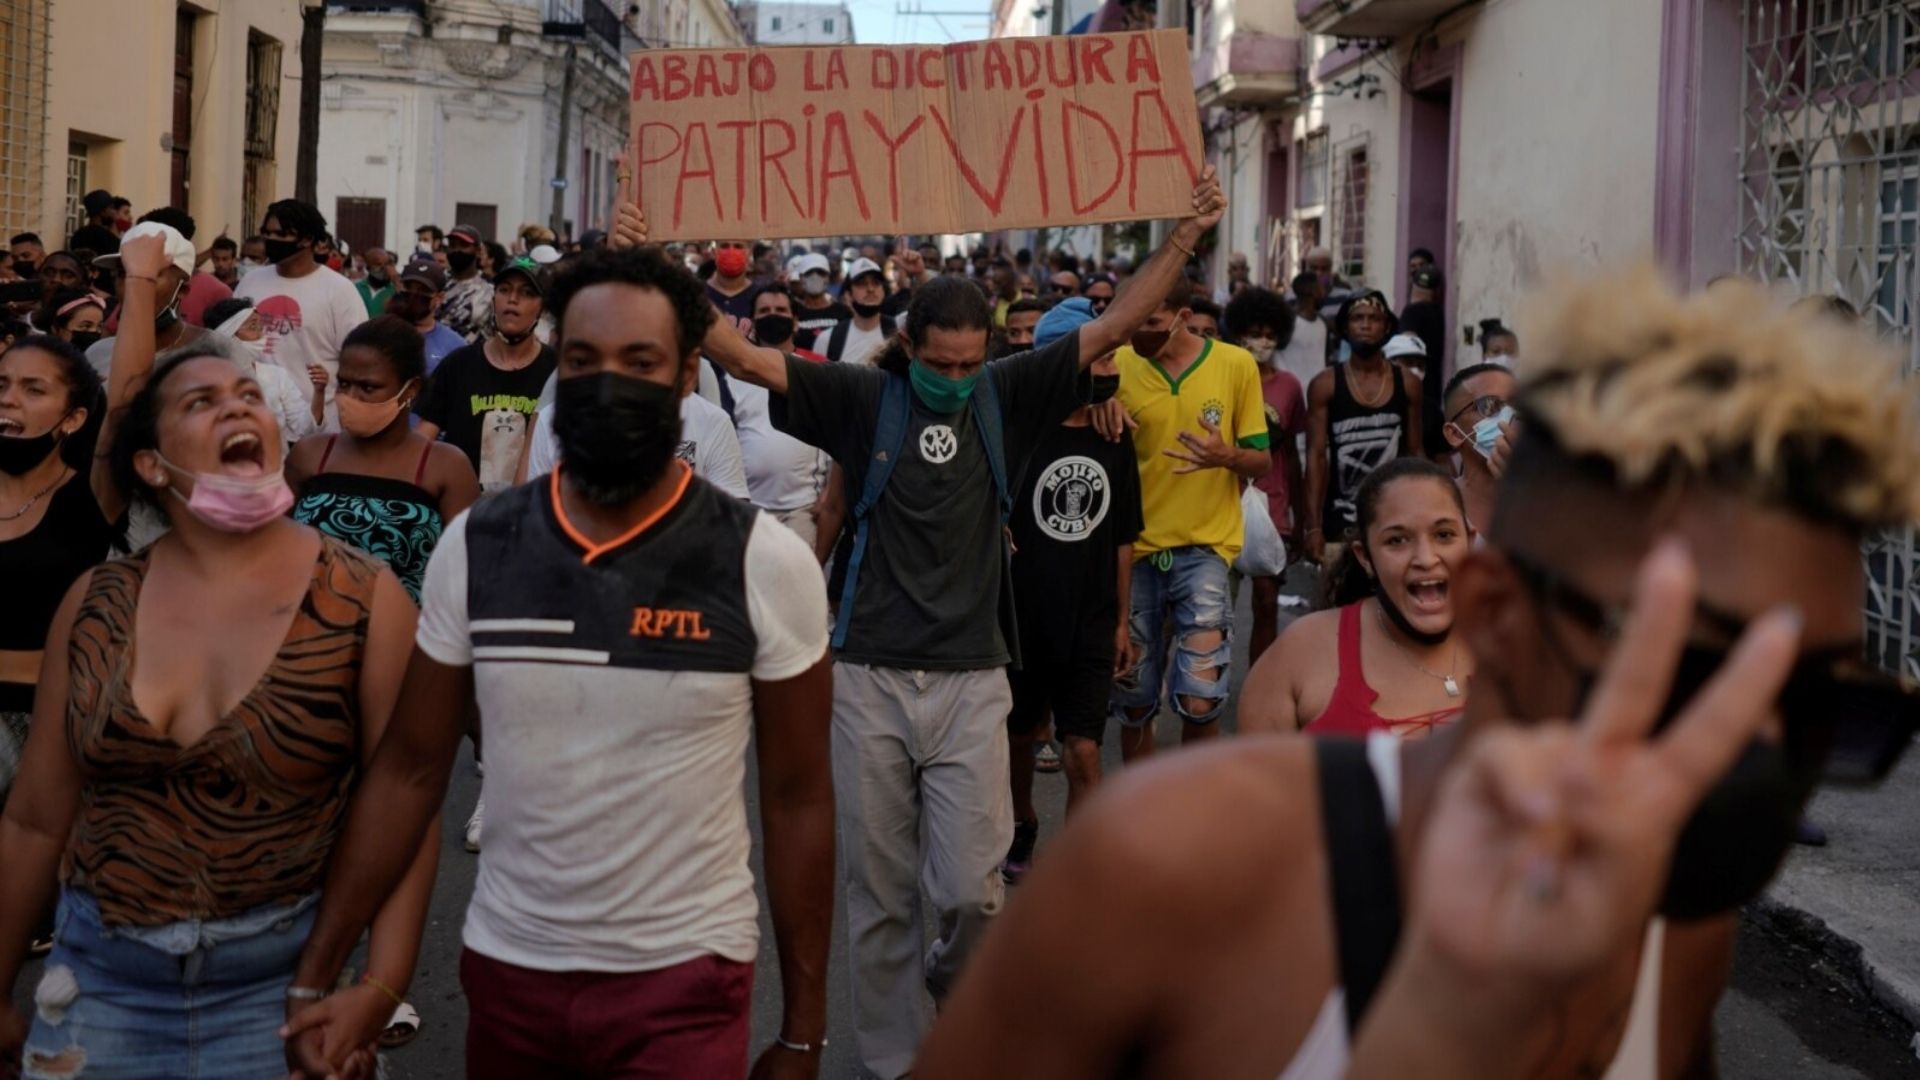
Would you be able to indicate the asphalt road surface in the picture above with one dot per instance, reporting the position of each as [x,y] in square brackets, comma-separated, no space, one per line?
[1786,1016]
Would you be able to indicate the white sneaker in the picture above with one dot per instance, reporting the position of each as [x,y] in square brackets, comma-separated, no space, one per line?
[473,824]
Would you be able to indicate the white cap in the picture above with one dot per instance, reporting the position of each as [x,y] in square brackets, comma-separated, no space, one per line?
[811,263]
[544,254]
[1405,345]
[863,266]
[179,249]
[848,254]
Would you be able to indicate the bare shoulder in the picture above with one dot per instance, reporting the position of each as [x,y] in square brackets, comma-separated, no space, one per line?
[1206,830]
[445,455]
[1320,390]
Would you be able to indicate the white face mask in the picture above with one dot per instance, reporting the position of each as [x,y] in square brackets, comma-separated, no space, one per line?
[1261,348]
[813,284]
[248,264]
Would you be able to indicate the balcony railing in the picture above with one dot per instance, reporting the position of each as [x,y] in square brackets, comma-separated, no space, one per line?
[1368,18]
[399,7]
[579,18]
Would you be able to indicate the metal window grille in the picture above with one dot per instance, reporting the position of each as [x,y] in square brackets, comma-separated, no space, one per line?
[1830,203]
[23,111]
[76,211]
[1315,151]
[263,125]
[1351,181]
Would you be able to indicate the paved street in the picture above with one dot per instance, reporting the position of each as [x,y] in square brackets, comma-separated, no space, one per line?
[1788,1015]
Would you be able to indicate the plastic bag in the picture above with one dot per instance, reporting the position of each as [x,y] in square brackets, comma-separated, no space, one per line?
[1262,552]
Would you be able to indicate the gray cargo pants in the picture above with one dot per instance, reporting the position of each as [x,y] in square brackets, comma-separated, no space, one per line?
[920,782]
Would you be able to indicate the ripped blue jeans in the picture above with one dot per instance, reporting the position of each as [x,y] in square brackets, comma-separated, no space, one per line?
[200,999]
[1190,583]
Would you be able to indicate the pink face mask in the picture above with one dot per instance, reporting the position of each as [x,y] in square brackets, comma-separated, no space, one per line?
[232,504]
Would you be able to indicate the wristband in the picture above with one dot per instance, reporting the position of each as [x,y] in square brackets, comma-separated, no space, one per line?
[305,993]
[143,277]
[369,980]
[1180,246]
[799,1047]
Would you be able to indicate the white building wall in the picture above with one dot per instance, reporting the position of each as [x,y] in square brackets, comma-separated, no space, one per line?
[1557,146]
[799,24]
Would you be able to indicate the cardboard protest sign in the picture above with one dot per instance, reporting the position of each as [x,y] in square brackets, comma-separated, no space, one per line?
[835,140]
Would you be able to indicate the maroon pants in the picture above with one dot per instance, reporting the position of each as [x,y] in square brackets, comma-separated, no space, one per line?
[684,1021]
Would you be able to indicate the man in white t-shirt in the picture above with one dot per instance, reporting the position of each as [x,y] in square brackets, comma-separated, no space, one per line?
[1306,354]
[626,630]
[707,442]
[860,339]
[306,308]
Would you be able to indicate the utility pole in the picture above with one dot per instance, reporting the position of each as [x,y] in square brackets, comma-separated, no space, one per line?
[306,167]
[558,218]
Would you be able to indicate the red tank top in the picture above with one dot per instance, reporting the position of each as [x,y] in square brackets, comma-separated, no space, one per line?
[1350,710]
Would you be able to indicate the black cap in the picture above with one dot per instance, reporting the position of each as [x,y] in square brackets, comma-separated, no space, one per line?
[1428,278]
[526,268]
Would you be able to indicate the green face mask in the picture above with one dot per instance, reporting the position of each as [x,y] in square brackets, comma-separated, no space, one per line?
[939,393]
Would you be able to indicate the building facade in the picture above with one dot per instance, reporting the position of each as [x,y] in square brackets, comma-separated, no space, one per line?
[1774,138]
[188,105]
[490,113]
[776,23]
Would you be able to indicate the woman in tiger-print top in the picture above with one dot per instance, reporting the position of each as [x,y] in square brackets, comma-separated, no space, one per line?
[204,710]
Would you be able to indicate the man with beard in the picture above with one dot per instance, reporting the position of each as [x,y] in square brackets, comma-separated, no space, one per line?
[1708,640]
[27,251]
[1361,413]
[466,306]
[483,397]
[860,339]
[614,928]
[929,439]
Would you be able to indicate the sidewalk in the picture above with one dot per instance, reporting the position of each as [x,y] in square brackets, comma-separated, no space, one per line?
[1858,898]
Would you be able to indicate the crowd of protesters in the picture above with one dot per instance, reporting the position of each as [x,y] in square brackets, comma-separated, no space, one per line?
[283,524]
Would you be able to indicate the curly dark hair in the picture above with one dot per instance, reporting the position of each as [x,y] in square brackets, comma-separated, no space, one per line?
[643,268]
[1254,306]
[83,383]
[1347,581]
[180,220]
[397,340]
[49,314]
[302,219]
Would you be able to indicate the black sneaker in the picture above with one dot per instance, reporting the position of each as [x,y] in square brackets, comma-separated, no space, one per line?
[1020,856]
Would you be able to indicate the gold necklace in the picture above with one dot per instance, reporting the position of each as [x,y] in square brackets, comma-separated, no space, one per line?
[1378,395]
[1453,659]
[59,478]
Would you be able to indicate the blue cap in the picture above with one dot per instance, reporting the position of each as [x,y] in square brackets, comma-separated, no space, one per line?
[1062,319]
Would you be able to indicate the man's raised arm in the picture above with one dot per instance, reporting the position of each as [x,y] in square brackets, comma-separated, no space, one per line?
[739,357]
[1142,293]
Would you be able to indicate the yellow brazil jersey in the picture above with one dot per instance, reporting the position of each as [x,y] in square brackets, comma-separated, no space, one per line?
[1197,509]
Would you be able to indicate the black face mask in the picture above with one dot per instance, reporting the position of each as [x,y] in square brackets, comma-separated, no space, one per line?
[1741,832]
[617,433]
[18,456]
[460,261]
[84,339]
[279,251]
[1399,618]
[26,270]
[1098,389]
[773,329]
[865,311]
[1008,348]
[409,306]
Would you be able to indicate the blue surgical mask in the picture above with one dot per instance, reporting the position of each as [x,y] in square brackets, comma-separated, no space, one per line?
[1486,433]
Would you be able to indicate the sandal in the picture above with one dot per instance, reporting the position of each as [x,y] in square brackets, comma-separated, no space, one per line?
[401,1029]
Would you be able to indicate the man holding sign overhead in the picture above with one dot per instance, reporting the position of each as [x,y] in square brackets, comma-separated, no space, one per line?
[920,694]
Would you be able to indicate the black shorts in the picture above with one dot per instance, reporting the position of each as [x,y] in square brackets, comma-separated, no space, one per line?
[1073,690]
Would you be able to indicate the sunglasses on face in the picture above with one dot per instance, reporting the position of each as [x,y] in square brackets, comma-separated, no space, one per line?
[1834,706]
[1480,408]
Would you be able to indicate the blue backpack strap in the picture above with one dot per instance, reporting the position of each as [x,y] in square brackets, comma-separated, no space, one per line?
[988,421]
[889,438]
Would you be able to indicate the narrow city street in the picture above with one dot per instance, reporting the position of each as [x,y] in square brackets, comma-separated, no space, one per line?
[1788,1016]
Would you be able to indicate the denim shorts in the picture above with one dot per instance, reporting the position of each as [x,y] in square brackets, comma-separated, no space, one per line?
[1191,584]
[199,999]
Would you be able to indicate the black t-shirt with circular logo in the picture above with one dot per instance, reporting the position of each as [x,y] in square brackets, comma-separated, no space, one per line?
[1079,501]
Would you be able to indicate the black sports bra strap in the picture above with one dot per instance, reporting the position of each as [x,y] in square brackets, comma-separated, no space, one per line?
[1360,860]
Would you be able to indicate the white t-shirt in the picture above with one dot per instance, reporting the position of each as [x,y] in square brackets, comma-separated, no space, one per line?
[306,319]
[783,473]
[863,345]
[616,821]
[1306,355]
[707,443]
